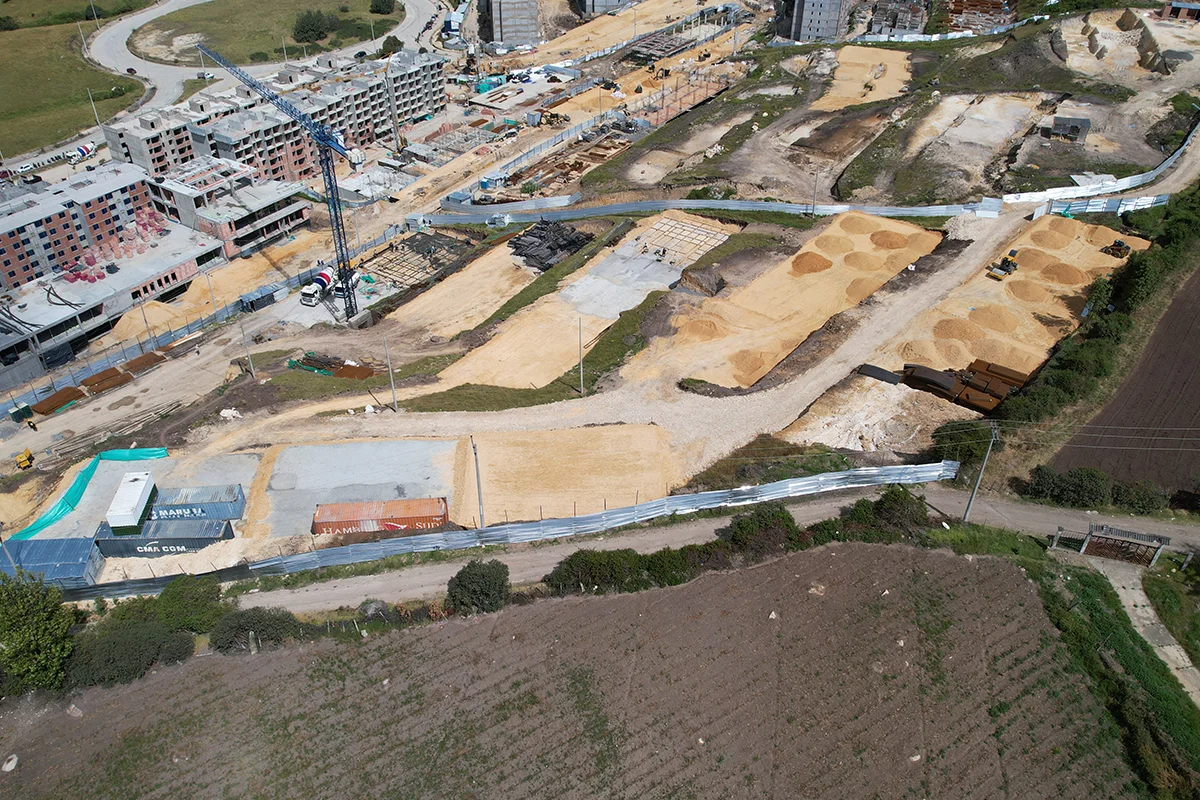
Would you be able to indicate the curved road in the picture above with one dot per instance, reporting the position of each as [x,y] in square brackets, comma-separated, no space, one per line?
[109,48]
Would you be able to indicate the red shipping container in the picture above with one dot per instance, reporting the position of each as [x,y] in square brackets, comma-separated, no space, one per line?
[400,517]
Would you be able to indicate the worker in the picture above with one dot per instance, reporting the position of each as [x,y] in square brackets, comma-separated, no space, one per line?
[32,426]
[197,349]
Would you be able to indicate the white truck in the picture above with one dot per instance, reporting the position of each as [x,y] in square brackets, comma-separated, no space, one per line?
[315,292]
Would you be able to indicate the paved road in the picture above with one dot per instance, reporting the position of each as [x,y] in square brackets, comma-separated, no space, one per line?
[529,564]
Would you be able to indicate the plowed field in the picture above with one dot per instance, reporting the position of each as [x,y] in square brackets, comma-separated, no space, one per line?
[852,671]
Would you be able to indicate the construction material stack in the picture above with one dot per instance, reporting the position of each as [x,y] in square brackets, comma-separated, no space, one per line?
[547,243]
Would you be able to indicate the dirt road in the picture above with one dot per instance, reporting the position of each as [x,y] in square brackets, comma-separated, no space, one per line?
[530,564]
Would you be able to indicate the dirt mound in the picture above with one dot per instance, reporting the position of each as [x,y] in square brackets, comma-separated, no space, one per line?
[918,352]
[702,330]
[1034,259]
[1028,291]
[807,262]
[955,328]
[853,223]
[747,362]
[1063,225]
[860,289]
[1101,236]
[1064,274]
[889,240]
[999,352]
[994,318]
[1051,239]
[834,245]
[952,353]
[864,261]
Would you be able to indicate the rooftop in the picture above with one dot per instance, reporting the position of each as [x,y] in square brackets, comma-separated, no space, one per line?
[27,209]
[203,173]
[249,199]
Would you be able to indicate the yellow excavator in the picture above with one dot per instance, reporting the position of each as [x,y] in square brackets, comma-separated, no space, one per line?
[24,459]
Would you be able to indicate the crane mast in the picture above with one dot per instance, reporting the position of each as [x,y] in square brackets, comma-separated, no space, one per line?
[328,142]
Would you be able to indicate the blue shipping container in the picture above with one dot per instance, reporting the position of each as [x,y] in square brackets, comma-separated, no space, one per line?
[200,502]
[68,563]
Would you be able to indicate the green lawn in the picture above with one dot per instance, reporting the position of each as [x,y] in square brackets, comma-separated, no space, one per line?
[190,87]
[31,13]
[43,92]
[247,32]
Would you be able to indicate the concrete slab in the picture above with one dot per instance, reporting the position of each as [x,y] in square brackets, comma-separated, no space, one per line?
[354,472]
[170,472]
[620,282]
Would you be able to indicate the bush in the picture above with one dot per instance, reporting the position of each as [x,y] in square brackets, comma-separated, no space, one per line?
[311,26]
[371,608]
[479,587]
[1140,497]
[121,651]
[390,45]
[1100,295]
[1074,385]
[258,57]
[191,603]
[1083,487]
[8,24]
[599,570]
[861,513]
[383,6]
[764,532]
[901,510]
[965,441]
[93,12]
[35,633]
[668,567]
[270,625]
[707,557]
[1112,327]
[1034,403]
[1094,357]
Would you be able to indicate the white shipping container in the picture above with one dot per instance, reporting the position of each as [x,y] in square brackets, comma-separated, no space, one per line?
[130,500]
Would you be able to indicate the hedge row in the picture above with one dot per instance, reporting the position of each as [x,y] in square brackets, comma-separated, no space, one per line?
[767,531]
[1087,487]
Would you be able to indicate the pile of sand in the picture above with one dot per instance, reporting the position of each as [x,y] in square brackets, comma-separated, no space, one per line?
[1017,321]
[864,75]
[159,318]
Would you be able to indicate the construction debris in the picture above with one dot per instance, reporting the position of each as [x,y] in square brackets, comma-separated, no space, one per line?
[547,243]
[981,386]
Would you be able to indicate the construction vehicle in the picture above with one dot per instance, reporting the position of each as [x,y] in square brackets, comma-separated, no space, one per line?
[981,386]
[328,142]
[1117,249]
[1007,266]
[24,459]
[314,293]
[81,153]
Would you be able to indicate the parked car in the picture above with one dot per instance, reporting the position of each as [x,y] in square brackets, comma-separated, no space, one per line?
[361,54]
[24,169]
[205,76]
[131,70]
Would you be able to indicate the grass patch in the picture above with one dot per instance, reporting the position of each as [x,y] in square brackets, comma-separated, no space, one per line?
[1174,595]
[190,87]
[615,345]
[237,29]
[885,155]
[766,459]
[1051,176]
[781,218]
[43,96]
[736,243]
[589,705]
[299,384]
[37,13]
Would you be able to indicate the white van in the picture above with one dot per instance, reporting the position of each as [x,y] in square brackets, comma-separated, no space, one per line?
[340,291]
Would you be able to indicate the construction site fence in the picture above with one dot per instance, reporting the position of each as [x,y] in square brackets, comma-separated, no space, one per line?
[497,214]
[535,152]
[1101,205]
[523,532]
[536,204]
[941,37]
[1109,187]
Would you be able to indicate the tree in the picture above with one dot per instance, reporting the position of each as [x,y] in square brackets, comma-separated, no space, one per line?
[390,45]
[94,12]
[35,633]
[529,187]
[383,6]
[480,586]
[311,26]
[964,441]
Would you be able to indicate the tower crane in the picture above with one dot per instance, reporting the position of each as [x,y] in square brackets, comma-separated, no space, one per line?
[328,142]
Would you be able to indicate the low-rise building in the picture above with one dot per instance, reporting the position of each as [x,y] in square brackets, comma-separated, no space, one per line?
[228,200]
[43,232]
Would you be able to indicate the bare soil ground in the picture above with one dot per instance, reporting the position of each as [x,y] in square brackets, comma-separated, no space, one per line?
[851,671]
[1014,322]
[864,75]
[1162,391]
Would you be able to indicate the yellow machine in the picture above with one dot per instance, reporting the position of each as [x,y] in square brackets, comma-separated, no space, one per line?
[25,459]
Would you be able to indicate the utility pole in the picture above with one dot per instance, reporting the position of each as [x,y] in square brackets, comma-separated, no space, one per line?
[283,41]
[581,356]
[478,481]
[149,335]
[979,477]
[211,296]
[391,375]
[95,16]
[94,112]
[249,361]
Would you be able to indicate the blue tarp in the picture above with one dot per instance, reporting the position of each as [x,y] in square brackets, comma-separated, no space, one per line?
[70,499]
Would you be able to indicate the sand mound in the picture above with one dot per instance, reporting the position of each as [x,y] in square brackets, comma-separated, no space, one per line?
[889,240]
[808,262]
[834,245]
[918,352]
[952,353]
[994,318]
[899,259]
[1001,352]
[702,330]
[1034,259]
[159,316]
[955,328]
[1051,239]
[1100,235]
[864,261]
[852,223]
[1064,274]
[747,362]
[1028,291]
[1062,225]
[860,289]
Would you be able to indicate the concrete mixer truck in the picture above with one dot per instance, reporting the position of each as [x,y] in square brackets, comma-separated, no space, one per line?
[315,292]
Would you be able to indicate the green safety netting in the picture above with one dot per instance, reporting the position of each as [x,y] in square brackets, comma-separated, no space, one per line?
[70,499]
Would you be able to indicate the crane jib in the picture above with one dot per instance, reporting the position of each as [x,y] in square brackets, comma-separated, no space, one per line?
[328,142]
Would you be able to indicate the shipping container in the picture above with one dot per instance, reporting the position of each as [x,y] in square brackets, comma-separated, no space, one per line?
[129,503]
[68,563]
[200,502]
[388,517]
[163,538]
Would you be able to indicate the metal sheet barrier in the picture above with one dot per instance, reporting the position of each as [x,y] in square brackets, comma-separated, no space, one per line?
[520,532]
